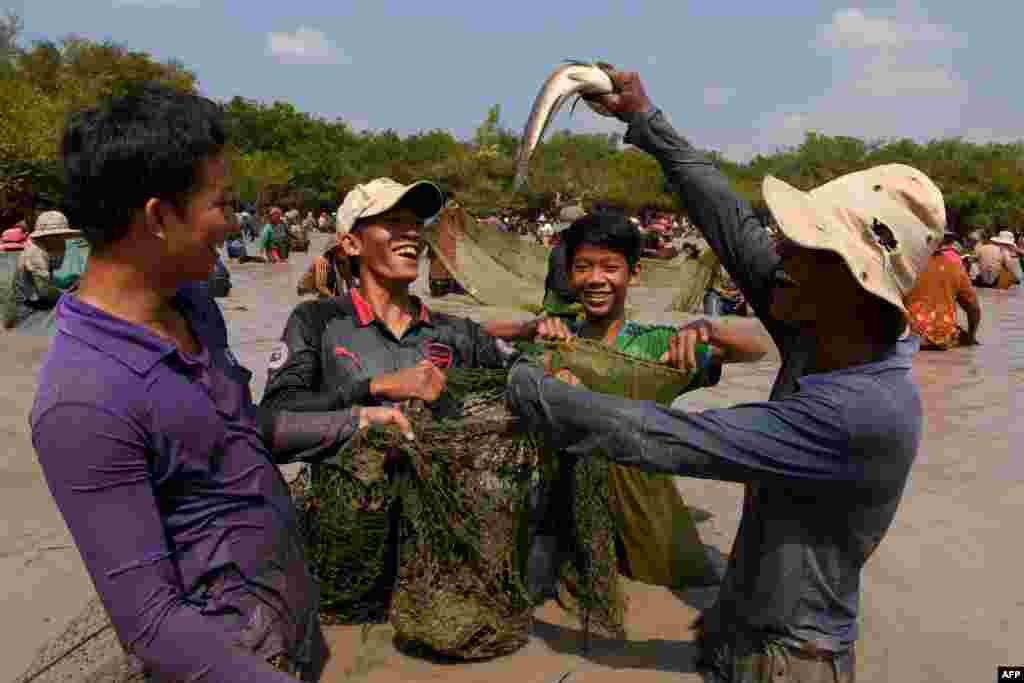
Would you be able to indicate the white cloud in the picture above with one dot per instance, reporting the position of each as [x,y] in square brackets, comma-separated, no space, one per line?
[716,96]
[852,29]
[983,135]
[157,3]
[887,77]
[305,45]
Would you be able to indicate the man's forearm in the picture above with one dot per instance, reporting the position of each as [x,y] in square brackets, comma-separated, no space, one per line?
[738,345]
[307,437]
[514,330]
[726,445]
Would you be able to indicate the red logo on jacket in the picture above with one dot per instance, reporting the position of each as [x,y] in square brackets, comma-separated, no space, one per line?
[342,351]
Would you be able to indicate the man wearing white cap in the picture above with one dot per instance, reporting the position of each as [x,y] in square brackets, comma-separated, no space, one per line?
[376,345]
[826,460]
[34,287]
[999,262]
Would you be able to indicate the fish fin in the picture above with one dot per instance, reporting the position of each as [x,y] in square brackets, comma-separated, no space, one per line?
[572,109]
[555,108]
[578,62]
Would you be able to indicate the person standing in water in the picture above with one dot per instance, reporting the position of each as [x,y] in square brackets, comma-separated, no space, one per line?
[163,469]
[37,284]
[656,532]
[826,460]
[932,304]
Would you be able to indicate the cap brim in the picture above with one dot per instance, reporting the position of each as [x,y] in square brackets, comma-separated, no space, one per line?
[804,223]
[60,232]
[423,197]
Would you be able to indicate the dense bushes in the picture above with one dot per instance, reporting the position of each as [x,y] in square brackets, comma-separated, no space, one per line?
[297,159]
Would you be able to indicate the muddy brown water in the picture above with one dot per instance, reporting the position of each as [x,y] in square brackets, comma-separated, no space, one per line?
[942,598]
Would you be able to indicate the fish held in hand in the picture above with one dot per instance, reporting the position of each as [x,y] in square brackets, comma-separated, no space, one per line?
[574,78]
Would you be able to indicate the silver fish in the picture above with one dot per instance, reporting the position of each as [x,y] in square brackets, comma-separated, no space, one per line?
[572,78]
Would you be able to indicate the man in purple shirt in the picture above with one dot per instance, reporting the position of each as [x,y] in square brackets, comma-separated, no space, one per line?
[144,424]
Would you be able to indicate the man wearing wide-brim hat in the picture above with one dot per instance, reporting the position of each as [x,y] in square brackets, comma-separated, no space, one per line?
[825,460]
[34,287]
[999,262]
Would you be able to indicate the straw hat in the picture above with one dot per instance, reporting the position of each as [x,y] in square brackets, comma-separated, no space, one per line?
[382,194]
[1005,237]
[884,222]
[572,213]
[53,224]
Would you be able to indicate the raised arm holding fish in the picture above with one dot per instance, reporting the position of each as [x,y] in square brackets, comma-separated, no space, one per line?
[826,459]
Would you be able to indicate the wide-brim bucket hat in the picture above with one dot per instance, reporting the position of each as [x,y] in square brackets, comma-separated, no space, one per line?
[884,222]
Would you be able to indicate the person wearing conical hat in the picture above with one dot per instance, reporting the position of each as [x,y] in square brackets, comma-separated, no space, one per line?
[999,262]
[826,460]
[35,286]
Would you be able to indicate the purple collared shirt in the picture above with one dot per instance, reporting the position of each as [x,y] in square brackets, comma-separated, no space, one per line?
[183,520]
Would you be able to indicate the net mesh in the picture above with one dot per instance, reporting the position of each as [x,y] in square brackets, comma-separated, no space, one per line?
[462,588]
[607,371]
[498,268]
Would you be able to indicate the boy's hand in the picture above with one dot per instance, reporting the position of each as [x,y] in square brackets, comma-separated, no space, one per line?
[568,377]
[552,329]
[682,347]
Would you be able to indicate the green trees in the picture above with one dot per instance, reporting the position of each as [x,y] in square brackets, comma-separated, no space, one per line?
[288,156]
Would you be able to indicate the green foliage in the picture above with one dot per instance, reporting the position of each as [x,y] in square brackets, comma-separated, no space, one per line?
[306,161]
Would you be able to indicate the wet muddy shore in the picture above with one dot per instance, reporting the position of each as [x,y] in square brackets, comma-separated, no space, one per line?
[942,598]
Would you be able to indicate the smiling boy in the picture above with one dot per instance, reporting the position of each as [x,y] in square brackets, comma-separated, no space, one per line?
[656,531]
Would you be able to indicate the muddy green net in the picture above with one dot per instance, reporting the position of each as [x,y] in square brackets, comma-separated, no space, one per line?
[498,268]
[609,372]
[462,584]
[589,585]
[430,533]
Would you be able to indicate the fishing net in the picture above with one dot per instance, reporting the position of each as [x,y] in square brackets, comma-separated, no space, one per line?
[347,514]
[462,585]
[607,371]
[498,268]
[644,509]
[464,486]
[400,529]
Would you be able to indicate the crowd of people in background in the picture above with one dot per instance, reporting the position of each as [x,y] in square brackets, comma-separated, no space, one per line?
[987,259]
[165,469]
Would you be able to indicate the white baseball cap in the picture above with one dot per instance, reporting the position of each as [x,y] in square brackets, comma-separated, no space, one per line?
[380,195]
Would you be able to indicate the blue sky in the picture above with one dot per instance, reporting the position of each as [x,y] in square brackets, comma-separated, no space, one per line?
[737,76]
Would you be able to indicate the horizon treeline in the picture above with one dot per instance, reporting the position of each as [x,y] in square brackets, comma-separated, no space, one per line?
[297,159]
